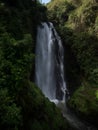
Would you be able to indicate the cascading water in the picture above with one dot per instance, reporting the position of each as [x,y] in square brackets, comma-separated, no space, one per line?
[50,71]
[49,62]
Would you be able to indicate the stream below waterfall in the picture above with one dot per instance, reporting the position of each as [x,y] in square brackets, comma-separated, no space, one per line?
[50,72]
[73,120]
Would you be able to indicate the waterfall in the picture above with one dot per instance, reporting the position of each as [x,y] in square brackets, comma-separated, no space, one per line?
[49,62]
[50,72]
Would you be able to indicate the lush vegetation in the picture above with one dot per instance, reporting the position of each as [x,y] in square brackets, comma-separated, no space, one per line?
[77,23]
[22,105]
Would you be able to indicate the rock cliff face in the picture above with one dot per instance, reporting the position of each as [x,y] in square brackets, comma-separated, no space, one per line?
[77,23]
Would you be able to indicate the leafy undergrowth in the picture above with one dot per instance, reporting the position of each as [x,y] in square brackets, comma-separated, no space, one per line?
[38,112]
[85,102]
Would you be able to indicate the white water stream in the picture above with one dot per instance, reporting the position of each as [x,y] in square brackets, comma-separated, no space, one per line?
[50,71]
[49,62]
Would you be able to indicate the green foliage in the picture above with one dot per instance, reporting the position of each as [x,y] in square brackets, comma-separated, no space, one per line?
[84,102]
[38,111]
[16,59]
[58,11]
[79,34]
[21,17]
[10,114]
[86,54]
[78,29]
[22,104]
[97,94]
